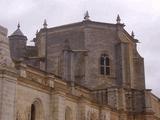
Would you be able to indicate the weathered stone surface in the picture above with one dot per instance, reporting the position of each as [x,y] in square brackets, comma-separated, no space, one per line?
[5,59]
[7,79]
[62,79]
[7,101]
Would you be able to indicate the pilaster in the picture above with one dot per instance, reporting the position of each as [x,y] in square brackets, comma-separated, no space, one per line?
[8,82]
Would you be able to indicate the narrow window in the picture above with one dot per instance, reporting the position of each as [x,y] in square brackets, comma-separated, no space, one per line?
[104,65]
[33,112]
[68,113]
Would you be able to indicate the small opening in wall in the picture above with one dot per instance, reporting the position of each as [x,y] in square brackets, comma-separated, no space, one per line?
[33,112]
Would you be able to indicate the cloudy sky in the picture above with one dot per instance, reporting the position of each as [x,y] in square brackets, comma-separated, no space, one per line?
[141,16]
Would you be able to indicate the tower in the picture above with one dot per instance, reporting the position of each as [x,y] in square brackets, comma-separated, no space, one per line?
[17,42]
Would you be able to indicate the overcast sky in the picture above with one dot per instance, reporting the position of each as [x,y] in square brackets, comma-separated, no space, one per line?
[141,16]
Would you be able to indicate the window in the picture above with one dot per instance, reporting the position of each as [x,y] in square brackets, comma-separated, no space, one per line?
[36,110]
[33,111]
[68,113]
[104,65]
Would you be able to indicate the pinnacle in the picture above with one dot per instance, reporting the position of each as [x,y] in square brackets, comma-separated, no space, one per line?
[118,19]
[18,26]
[132,34]
[86,16]
[45,23]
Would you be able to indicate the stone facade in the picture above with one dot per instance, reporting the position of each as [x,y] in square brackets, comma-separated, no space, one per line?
[82,71]
[77,51]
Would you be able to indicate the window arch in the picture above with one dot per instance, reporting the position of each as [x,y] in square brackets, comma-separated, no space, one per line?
[68,113]
[36,110]
[105,65]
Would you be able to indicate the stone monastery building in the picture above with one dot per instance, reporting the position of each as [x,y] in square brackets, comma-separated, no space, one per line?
[82,71]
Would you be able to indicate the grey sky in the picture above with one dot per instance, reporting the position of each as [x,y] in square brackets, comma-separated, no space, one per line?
[141,16]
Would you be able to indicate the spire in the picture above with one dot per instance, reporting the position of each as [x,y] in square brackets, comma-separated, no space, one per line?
[132,34]
[118,19]
[45,23]
[37,32]
[86,16]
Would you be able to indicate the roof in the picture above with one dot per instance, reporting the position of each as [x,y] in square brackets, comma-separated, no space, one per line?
[18,32]
[82,23]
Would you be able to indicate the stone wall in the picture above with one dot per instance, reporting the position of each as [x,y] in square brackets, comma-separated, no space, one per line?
[26,96]
[7,97]
[80,109]
[86,41]
[99,41]
[155,103]
[8,79]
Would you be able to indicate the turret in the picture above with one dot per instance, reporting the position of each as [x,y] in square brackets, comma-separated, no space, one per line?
[17,42]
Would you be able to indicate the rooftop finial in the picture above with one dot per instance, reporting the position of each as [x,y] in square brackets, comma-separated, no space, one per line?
[45,23]
[36,32]
[132,34]
[118,19]
[18,26]
[86,15]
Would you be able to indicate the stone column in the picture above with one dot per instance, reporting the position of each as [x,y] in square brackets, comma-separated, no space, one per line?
[82,113]
[121,100]
[57,105]
[125,64]
[112,97]
[66,58]
[72,68]
[123,67]
[7,94]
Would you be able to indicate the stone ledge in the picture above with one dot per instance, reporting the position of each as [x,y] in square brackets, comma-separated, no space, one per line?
[9,71]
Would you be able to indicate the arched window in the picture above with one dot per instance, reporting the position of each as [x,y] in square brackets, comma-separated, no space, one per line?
[104,65]
[36,110]
[68,113]
[33,112]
